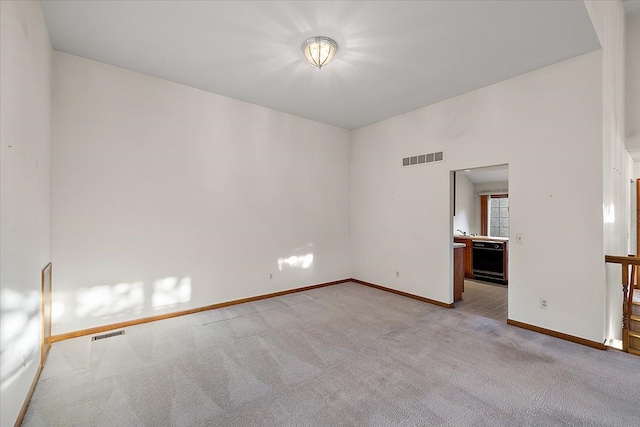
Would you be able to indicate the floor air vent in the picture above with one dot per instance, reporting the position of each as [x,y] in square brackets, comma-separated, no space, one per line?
[421,159]
[109,335]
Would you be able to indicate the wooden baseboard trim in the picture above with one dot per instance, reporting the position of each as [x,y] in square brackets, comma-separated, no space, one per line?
[405,294]
[45,340]
[27,400]
[112,326]
[556,334]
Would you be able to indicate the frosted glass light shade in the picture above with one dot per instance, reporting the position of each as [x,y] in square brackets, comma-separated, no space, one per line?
[319,50]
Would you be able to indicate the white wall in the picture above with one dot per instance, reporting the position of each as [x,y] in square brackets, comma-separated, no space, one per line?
[608,21]
[25,195]
[167,198]
[465,206]
[633,210]
[547,125]
[632,84]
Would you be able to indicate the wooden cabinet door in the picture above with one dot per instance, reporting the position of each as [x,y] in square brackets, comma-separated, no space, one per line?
[458,273]
[468,261]
[468,257]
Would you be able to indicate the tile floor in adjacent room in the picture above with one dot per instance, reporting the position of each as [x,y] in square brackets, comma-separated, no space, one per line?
[484,299]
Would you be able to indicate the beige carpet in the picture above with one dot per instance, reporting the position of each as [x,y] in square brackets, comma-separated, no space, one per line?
[340,355]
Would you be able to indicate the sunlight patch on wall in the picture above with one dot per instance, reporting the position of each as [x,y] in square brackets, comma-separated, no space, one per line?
[296,261]
[109,300]
[171,291]
[20,323]
[57,310]
[609,214]
[123,298]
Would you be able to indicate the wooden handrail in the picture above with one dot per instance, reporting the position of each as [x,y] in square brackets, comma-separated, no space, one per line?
[618,259]
[628,278]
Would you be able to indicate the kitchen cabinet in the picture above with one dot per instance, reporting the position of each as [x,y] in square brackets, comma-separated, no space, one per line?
[458,271]
[468,256]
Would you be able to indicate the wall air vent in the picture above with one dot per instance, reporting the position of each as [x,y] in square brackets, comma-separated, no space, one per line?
[109,335]
[421,159]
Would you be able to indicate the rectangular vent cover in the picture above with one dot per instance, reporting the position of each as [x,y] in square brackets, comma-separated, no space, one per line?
[109,335]
[438,156]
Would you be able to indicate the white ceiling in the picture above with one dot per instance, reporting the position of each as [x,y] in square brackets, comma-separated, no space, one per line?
[487,174]
[393,56]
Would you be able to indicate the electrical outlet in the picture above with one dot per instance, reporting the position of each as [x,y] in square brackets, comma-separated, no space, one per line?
[543,304]
[270,276]
[397,274]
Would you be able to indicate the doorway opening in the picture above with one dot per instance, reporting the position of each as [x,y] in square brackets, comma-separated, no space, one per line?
[480,234]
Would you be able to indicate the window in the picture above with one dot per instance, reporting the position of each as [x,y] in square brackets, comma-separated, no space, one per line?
[499,215]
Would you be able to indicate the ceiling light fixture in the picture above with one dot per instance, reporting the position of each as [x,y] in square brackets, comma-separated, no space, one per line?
[319,50]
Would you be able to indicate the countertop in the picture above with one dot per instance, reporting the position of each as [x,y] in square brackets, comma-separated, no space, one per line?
[494,239]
